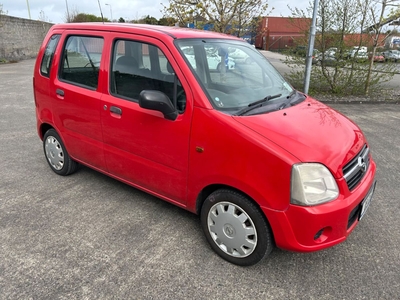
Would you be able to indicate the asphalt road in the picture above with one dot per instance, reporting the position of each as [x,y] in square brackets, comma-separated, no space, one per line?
[87,236]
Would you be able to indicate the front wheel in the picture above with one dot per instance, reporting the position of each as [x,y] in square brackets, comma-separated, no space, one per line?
[56,154]
[235,228]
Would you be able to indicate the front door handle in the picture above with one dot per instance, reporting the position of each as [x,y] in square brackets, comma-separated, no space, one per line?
[60,92]
[116,110]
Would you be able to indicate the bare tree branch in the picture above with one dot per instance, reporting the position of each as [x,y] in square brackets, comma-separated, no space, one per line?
[224,15]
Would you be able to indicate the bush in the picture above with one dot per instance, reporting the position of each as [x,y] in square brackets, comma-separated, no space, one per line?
[344,77]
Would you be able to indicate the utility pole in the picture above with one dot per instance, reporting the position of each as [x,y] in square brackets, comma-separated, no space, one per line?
[66,4]
[101,12]
[310,48]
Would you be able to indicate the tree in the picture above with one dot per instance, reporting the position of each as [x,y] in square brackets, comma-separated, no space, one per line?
[376,14]
[2,12]
[42,17]
[81,17]
[71,15]
[247,16]
[148,20]
[340,36]
[229,16]
[167,21]
[121,20]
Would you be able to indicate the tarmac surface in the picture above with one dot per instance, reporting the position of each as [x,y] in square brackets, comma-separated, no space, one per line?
[87,236]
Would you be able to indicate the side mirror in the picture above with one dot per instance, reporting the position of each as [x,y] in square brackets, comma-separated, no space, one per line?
[156,100]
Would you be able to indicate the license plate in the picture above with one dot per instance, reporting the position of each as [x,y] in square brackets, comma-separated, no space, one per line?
[367,201]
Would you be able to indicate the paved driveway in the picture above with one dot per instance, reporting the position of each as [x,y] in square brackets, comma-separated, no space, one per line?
[87,236]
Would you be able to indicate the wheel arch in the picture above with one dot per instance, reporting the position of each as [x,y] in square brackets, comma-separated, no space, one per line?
[44,128]
[208,190]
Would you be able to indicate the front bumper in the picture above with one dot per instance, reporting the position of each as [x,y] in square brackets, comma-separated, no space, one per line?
[313,228]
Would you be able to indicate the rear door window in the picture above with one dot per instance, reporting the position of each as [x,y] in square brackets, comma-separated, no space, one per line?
[81,60]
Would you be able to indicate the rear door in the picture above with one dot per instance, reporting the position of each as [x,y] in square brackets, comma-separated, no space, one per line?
[43,80]
[140,145]
[76,90]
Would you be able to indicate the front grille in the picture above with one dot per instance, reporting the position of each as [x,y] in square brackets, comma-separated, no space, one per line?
[355,170]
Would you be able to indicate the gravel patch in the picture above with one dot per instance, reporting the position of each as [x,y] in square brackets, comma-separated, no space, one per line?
[382,96]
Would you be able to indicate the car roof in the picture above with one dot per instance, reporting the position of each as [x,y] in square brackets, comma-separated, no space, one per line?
[173,31]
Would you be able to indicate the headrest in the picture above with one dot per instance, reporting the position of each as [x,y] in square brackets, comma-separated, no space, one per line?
[126,64]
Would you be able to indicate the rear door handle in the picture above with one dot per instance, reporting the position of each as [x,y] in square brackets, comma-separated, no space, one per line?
[116,110]
[60,92]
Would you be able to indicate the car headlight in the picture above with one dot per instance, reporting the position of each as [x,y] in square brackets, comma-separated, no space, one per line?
[312,184]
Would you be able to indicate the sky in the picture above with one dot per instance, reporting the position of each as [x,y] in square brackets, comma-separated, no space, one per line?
[55,11]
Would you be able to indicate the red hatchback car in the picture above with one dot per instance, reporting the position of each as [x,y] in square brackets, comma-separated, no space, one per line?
[168,111]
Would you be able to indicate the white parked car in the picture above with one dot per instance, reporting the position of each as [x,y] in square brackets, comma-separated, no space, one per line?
[358,52]
[331,52]
[213,59]
[239,56]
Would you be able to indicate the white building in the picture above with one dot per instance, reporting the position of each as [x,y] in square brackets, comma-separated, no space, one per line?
[393,42]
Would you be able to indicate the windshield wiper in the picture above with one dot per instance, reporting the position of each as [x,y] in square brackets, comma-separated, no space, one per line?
[291,94]
[256,104]
[286,103]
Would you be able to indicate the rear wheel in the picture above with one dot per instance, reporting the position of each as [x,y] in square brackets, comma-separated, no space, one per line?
[235,228]
[56,154]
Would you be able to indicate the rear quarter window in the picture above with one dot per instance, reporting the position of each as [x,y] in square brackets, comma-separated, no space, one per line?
[48,55]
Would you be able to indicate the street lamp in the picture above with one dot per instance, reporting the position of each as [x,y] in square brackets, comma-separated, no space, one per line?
[110,10]
[310,50]
[29,10]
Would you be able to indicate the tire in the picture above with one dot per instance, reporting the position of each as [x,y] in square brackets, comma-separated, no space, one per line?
[235,228]
[56,154]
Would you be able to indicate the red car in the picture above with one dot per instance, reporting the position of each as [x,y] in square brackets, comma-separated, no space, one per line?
[378,57]
[261,163]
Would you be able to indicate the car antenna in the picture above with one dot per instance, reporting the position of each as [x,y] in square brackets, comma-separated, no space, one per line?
[102,19]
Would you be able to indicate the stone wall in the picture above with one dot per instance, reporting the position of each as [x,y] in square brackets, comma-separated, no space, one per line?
[20,38]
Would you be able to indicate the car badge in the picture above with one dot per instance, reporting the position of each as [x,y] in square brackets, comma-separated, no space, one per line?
[362,164]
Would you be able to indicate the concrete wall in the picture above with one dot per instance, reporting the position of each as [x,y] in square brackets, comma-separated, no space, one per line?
[20,38]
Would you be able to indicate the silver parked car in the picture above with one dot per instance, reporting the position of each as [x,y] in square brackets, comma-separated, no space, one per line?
[392,55]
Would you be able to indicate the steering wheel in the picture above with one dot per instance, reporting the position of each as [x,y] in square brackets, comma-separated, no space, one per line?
[95,64]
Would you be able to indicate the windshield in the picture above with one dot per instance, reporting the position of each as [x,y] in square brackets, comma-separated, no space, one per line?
[235,75]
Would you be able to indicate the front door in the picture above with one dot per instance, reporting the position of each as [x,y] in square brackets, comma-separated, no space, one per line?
[141,147]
